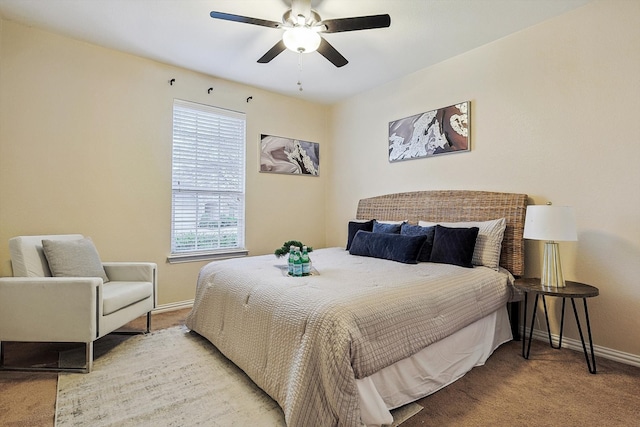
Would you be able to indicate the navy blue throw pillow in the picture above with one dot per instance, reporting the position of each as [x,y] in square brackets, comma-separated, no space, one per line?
[394,247]
[382,227]
[354,227]
[415,230]
[454,245]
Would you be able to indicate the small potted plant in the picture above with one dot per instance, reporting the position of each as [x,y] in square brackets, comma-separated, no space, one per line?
[284,250]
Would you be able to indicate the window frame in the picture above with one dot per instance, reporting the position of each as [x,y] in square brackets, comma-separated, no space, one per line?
[197,190]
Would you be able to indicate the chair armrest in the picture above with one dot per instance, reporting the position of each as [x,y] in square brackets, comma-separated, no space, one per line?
[131,271]
[134,272]
[49,309]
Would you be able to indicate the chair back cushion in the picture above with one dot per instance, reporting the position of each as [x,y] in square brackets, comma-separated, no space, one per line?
[27,255]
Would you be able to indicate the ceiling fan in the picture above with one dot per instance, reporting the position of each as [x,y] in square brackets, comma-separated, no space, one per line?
[302,27]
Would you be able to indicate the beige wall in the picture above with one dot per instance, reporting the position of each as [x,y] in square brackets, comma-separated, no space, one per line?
[554,114]
[85,146]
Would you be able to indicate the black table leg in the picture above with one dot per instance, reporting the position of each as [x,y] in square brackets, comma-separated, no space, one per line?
[533,319]
[524,324]
[546,317]
[514,319]
[591,364]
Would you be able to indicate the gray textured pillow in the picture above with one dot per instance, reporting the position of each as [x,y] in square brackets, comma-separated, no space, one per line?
[73,258]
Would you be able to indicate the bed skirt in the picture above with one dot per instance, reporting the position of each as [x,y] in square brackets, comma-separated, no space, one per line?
[432,368]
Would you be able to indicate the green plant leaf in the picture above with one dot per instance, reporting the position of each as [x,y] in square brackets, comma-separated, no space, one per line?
[280,252]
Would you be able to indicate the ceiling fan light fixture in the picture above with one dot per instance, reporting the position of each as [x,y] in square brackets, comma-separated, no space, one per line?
[301,39]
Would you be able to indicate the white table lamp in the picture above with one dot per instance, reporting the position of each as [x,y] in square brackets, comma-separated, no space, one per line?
[551,224]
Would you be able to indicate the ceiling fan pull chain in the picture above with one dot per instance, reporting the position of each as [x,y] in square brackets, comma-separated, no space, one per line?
[300,71]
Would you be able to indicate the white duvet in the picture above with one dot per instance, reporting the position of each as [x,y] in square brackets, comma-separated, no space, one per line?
[305,340]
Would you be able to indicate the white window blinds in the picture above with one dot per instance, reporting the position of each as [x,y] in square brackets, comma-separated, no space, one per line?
[208,179]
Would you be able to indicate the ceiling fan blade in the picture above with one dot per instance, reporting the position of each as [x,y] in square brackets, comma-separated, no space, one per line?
[245,19]
[331,54]
[356,23]
[276,50]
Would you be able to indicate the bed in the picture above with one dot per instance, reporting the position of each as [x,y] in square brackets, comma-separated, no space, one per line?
[364,335]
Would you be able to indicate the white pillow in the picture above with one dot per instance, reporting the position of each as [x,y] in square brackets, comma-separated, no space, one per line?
[489,241]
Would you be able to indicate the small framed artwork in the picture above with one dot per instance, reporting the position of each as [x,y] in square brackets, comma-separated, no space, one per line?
[442,131]
[289,156]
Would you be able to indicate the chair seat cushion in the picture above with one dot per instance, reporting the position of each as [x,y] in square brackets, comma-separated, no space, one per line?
[117,295]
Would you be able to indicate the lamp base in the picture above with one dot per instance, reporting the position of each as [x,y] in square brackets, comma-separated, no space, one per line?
[551,267]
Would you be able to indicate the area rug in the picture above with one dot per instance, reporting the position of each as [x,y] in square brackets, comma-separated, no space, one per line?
[170,377]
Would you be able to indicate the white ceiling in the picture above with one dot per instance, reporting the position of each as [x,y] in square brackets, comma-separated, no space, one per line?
[181,33]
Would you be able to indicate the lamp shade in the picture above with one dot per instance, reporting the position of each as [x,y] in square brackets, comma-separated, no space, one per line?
[551,223]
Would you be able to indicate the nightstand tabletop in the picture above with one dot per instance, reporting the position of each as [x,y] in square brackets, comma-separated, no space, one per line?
[572,290]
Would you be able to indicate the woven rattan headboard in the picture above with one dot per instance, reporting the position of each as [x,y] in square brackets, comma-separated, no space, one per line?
[457,205]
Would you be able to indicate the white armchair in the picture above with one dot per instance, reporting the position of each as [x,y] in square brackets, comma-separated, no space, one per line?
[36,307]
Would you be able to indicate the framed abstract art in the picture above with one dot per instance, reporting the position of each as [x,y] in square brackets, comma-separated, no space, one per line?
[442,131]
[289,156]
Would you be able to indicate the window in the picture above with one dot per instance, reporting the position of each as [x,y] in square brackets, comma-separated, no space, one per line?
[207,207]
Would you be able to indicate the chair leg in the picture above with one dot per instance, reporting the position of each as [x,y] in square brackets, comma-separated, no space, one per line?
[148,322]
[88,366]
[88,357]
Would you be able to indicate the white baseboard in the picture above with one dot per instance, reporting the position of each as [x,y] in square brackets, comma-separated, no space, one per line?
[604,352]
[172,306]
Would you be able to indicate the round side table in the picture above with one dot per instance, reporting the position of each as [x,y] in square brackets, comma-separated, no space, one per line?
[572,290]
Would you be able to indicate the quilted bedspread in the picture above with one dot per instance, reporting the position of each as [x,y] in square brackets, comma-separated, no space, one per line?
[304,340]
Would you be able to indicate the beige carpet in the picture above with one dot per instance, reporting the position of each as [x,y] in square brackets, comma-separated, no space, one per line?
[168,378]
